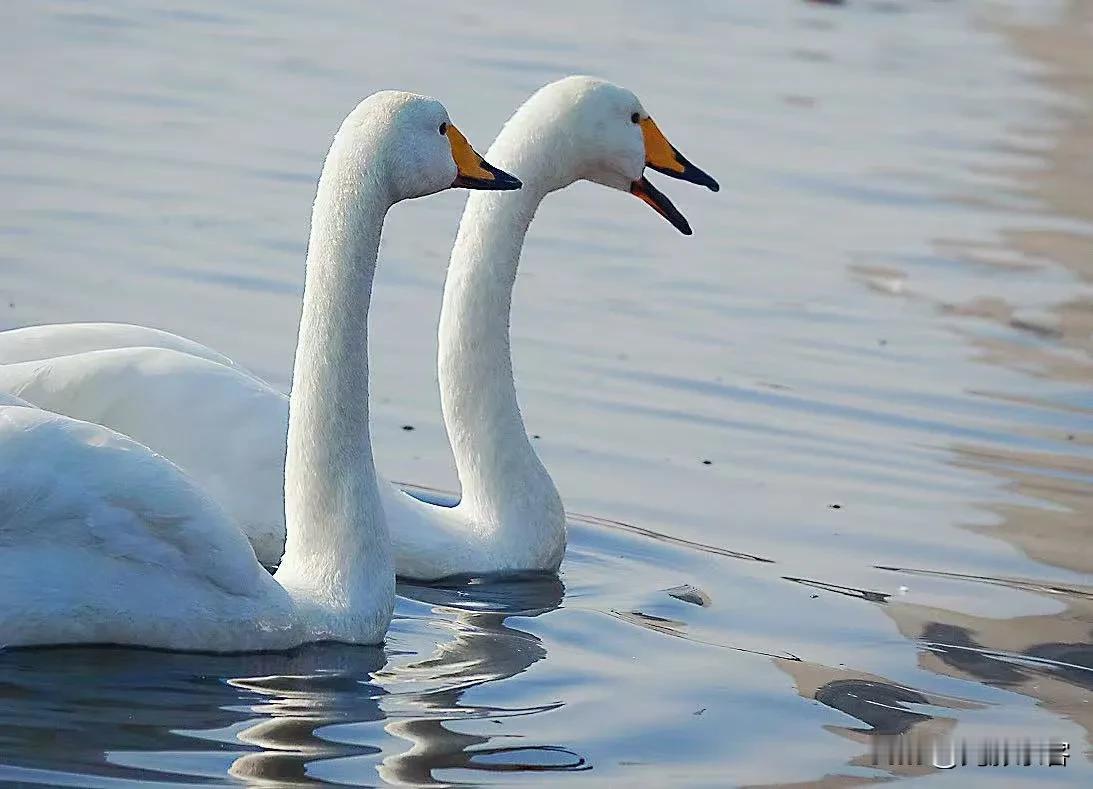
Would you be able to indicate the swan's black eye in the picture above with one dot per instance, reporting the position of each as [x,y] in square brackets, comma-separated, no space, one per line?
[635,118]
[443,128]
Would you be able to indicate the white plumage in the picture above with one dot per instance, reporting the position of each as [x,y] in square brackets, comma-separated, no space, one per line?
[103,540]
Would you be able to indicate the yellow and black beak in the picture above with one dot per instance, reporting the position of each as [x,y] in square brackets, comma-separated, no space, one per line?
[474,172]
[664,158]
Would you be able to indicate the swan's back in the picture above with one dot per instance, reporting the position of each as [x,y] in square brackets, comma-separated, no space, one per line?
[63,339]
[103,541]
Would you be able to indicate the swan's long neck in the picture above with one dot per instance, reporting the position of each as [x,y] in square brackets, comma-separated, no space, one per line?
[337,546]
[502,479]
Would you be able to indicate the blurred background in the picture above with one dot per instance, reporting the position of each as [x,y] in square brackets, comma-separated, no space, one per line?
[847,427]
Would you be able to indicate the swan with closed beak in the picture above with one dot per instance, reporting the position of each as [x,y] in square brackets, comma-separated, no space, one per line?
[103,541]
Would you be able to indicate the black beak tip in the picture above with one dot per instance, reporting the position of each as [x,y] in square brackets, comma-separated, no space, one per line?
[701,177]
[502,181]
[694,175]
[506,182]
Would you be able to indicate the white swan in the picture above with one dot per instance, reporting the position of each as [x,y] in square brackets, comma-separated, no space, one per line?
[225,427]
[510,516]
[103,541]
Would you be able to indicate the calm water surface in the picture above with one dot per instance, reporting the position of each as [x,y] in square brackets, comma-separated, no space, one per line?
[879,338]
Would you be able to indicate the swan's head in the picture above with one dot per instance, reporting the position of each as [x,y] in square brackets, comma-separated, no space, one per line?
[410,146]
[594,130]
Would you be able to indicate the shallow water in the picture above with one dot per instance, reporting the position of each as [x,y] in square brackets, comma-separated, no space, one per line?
[879,337]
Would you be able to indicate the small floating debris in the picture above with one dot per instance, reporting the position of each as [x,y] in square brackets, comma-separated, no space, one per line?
[796,100]
[849,591]
[536,435]
[883,279]
[407,428]
[834,506]
[1039,329]
[707,462]
[690,594]
[699,712]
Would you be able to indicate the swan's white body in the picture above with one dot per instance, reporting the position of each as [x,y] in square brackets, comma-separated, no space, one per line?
[102,540]
[510,516]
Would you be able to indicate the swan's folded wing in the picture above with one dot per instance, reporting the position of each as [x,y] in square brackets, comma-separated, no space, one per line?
[71,489]
[225,428]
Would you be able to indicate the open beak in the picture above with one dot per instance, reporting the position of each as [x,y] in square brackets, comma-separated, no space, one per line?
[662,156]
[474,172]
[660,203]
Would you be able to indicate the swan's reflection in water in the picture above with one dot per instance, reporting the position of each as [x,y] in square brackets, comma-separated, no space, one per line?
[299,701]
[484,649]
[323,712]
[114,712]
